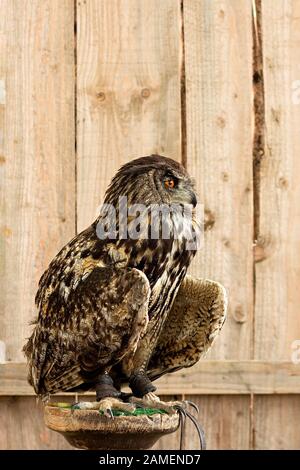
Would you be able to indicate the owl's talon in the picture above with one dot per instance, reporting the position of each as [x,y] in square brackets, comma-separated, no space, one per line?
[180,407]
[192,405]
[199,429]
[109,413]
[107,405]
[184,413]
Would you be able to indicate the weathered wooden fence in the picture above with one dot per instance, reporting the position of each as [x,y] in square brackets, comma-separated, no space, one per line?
[87,85]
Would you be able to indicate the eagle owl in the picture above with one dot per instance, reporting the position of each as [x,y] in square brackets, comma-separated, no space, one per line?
[116,310]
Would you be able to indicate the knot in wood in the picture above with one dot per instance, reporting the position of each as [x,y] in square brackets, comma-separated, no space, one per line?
[145,93]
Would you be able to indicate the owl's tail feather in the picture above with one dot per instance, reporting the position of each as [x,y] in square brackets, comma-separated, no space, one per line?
[70,378]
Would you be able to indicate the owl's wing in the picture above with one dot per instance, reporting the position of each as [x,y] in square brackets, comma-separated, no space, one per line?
[96,326]
[196,317]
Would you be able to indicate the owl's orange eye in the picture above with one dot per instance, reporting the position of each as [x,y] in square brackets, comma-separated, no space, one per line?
[169,183]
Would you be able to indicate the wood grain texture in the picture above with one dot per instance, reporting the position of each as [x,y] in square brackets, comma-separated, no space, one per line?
[207,377]
[276,423]
[130,103]
[277,320]
[226,424]
[23,427]
[128,90]
[233,377]
[225,421]
[277,316]
[37,194]
[218,81]
[218,68]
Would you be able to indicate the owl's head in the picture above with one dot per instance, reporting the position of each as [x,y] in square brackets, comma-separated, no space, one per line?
[152,180]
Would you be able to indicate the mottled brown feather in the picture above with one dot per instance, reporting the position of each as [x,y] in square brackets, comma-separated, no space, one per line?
[103,320]
[196,317]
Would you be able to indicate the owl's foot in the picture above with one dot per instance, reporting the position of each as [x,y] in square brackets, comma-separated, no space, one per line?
[141,385]
[106,405]
[105,387]
[150,400]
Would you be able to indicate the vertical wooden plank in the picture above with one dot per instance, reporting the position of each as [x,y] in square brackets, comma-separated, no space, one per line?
[224,420]
[278,270]
[277,422]
[36,152]
[218,71]
[128,90]
[277,320]
[218,67]
[23,427]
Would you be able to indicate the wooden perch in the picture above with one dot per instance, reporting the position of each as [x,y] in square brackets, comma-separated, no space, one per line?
[87,429]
